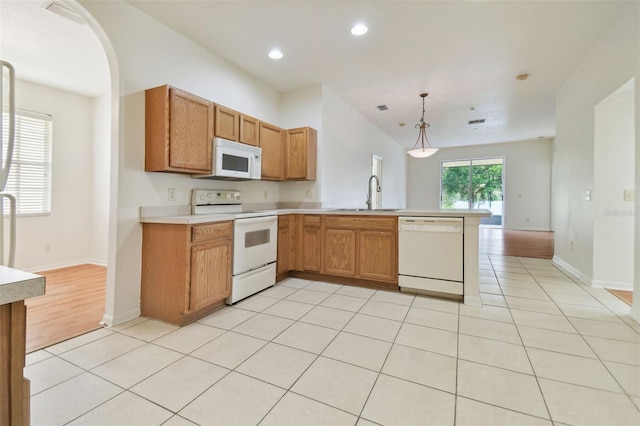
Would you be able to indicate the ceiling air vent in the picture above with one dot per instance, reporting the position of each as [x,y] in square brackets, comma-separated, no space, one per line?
[382,107]
[62,10]
[480,121]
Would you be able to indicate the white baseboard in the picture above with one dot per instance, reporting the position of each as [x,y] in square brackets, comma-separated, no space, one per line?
[64,265]
[111,320]
[573,271]
[613,284]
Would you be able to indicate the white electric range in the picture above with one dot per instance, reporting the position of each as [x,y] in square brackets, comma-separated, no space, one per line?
[255,240]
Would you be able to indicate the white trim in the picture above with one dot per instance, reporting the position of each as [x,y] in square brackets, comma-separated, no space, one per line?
[111,320]
[573,271]
[613,285]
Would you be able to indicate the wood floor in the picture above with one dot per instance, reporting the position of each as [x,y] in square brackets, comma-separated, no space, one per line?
[537,244]
[624,295]
[72,305]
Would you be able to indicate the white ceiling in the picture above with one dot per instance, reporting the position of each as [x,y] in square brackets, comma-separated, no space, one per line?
[464,53]
[48,49]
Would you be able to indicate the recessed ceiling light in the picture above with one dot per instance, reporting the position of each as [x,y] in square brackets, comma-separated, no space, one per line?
[359,29]
[275,54]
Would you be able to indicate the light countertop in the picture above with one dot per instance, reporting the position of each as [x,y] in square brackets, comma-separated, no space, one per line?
[18,285]
[155,214]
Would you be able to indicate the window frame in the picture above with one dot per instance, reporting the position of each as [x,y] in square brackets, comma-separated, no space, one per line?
[45,162]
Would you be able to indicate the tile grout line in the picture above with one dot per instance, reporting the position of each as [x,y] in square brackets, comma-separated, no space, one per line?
[385,361]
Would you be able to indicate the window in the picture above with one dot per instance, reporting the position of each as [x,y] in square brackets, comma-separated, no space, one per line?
[30,174]
[473,184]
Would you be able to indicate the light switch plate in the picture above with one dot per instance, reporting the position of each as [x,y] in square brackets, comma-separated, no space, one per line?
[587,195]
[629,195]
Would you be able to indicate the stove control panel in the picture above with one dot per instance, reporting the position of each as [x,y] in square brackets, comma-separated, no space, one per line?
[204,197]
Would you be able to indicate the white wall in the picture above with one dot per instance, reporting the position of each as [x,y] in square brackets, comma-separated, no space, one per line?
[150,54]
[100,178]
[612,62]
[527,180]
[67,230]
[613,224]
[299,108]
[348,140]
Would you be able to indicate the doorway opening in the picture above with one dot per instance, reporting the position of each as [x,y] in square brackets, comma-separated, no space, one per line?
[474,184]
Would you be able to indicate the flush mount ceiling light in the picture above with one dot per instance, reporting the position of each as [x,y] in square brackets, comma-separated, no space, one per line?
[359,29]
[422,151]
[275,54]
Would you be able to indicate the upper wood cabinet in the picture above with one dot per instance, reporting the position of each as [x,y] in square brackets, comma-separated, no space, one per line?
[300,154]
[249,130]
[227,123]
[178,131]
[272,142]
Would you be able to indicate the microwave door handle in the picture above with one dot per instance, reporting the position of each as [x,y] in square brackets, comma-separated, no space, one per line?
[256,171]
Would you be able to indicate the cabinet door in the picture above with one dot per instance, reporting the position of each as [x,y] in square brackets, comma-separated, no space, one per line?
[190,132]
[339,252]
[284,244]
[249,130]
[210,273]
[227,123]
[311,249]
[300,154]
[377,255]
[272,144]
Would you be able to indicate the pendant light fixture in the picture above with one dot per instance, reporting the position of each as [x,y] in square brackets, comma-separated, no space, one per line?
[422,151]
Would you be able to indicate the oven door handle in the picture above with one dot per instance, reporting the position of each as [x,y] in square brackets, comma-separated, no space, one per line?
[254,220]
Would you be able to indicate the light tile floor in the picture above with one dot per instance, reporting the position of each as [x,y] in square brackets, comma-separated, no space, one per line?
[543,349]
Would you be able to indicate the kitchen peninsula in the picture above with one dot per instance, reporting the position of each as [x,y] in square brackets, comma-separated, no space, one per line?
[350,246]
[15,287]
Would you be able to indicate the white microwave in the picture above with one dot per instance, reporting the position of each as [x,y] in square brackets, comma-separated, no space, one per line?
[234,161]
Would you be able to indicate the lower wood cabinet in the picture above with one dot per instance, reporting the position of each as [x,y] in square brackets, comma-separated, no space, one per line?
[186,270]
[359,250]
[285,237]
[361,247]
[378,255]
[339,252]
[311,243]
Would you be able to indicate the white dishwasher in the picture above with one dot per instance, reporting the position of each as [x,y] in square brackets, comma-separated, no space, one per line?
[431,254]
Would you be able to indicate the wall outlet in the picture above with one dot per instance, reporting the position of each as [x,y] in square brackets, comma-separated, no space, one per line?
[587,195]
[47,248]
[309,194]
[171,194]
[571,245]
[629,195]
[266,194]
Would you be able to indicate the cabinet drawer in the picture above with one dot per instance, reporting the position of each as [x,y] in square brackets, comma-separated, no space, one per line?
[284,221]
[311,221]
[358,222]
[211,231]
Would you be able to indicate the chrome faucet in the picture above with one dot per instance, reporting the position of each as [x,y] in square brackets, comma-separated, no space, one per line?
[370,196]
